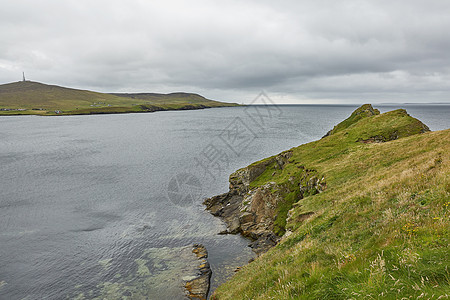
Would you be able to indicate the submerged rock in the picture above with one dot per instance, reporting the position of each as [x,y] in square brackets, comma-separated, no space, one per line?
[198,286]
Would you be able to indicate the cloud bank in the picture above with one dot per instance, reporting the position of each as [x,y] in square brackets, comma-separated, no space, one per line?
[297,51]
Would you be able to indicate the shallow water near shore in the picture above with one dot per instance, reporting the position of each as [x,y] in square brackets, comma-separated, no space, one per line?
[108,206]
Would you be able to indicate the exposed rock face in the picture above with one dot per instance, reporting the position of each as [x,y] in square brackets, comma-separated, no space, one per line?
[253,211]
[198,288]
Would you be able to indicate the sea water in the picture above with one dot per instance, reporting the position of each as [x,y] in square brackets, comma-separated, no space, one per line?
[108,206]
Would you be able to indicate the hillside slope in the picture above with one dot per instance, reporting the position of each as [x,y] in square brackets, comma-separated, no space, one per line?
[363,214]
[173,98]
[28,97]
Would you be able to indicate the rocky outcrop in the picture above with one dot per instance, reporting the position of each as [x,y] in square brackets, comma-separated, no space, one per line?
[398,124]
[253,211]
[261,195]
[250,213]
[198,287]
[364,111]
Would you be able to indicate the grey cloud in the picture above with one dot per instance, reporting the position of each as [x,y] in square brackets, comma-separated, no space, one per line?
[310,51]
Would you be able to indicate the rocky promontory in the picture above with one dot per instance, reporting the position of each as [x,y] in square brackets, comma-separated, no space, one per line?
[360,213]
[262,194]
[254,210]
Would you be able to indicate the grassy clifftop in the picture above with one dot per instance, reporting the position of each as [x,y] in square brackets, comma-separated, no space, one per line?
[379,229]
[28,97]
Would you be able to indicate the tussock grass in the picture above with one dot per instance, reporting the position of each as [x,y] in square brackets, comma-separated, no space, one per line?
[379,230]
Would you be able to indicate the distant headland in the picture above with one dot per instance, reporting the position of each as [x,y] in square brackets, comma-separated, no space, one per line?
[35,98]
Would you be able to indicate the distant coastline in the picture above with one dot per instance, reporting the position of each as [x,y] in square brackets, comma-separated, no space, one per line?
[151,110]
[34,98]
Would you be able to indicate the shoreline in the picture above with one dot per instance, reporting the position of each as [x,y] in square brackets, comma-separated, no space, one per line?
[199,286]
[252,210]
[159,109]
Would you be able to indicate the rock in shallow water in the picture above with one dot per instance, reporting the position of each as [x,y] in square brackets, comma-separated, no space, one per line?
[198,287]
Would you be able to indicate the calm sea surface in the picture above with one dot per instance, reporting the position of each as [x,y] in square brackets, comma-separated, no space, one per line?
[107,206]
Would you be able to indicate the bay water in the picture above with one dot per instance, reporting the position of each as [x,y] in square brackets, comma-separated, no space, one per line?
[108,206]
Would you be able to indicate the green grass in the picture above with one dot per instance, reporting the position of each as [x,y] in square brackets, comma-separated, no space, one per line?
[380,230]
[364,111]
[41,99]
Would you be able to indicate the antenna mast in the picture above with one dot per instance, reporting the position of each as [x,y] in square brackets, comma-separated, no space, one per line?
[23,73]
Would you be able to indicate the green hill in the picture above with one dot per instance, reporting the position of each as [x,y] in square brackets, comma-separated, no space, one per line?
[28,97]
[362,213]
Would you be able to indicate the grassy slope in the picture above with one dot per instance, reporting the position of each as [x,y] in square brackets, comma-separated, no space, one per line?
[172,99]
[379,230]
[33,95]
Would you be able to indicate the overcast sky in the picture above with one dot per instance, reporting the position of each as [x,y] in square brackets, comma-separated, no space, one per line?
[322,51]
